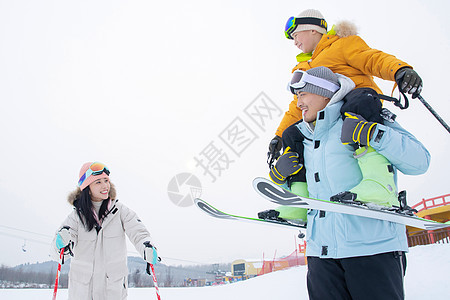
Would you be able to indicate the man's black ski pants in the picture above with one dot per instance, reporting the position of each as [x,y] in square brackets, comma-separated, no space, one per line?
[375,277]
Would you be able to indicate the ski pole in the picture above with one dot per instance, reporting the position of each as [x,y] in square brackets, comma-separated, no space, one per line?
[434,113]
[151,272]
[61,256]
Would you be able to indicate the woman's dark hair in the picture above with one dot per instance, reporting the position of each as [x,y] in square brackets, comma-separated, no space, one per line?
[83,205]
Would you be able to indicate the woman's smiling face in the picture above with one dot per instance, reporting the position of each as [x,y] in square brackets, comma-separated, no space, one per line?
[99,189]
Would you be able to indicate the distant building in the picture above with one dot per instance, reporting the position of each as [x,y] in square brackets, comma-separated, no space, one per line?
[436,209]
[194,282]
[241,267]
[253,268]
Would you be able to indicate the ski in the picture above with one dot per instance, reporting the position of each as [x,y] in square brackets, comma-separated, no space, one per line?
[214,212]
[281,196]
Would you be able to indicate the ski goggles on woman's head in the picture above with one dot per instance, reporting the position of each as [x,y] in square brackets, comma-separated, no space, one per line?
[96,168]
[301,78]
[293,22]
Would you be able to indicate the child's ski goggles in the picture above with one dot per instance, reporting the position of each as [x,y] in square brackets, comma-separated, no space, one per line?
[293,22]
[301,78]
[95,168]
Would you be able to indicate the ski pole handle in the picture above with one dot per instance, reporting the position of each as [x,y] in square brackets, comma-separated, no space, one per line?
[434,113]
[61,255]
[151,272]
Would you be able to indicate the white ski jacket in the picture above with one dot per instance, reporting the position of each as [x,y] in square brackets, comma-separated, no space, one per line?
[98,268]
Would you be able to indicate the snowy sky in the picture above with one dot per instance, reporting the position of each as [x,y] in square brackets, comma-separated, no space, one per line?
[148,87]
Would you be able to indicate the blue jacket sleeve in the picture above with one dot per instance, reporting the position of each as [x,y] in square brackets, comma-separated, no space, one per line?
[401,148]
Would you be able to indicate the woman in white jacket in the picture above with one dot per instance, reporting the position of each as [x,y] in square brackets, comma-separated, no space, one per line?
[94,234]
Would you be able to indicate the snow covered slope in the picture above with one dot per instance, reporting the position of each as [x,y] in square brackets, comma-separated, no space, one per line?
[426,278]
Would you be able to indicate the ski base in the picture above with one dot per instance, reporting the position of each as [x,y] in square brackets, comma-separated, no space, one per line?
[216,213]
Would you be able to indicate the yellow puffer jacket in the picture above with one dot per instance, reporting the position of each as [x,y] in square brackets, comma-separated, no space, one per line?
[345,53]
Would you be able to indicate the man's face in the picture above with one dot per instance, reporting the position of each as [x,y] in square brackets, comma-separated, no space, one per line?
[306,40]
[310,104]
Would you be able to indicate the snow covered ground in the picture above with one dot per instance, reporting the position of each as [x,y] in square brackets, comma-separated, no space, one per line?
[426,278]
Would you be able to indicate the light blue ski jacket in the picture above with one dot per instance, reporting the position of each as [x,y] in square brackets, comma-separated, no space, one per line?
[331,168]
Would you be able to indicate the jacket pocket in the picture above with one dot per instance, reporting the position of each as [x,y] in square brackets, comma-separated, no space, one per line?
[366,230]
[117,289]
[310,228]
[81,271]
[117,269]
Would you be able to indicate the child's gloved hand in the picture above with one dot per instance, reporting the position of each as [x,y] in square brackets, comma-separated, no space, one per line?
[288,164]
[356,130]
[409,81]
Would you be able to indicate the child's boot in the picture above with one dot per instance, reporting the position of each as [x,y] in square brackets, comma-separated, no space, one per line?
[378,185]
[288,213]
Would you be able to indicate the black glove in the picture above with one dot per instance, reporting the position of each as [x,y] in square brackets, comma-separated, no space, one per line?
[275,144]
[287,165]
[356,129]
[409,81]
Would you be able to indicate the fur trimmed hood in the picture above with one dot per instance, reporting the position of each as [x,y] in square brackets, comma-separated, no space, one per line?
[346,86]
[76,193]
[345,29]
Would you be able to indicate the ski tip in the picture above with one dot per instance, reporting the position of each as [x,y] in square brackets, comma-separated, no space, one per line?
[258,179]
[198,200]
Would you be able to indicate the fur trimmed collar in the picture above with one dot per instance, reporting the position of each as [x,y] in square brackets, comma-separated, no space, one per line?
[345,29]
[76,193]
